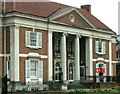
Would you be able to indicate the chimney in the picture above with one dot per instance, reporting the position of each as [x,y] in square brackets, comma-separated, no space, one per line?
[86,7]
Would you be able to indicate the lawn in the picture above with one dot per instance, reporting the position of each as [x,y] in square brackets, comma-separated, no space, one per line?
[115,90]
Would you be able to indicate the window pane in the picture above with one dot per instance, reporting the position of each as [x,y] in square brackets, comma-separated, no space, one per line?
[57,47]
[57,68]
[33,68]
[100,47]
[70,71]
[33,38]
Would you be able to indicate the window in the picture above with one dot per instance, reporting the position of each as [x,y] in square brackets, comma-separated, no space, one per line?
[71,70]
[118,55]
[57,47]
[8,69]
[72,18]
[70,49]
[34,70]
[100,47]
[57,70]
[33,39]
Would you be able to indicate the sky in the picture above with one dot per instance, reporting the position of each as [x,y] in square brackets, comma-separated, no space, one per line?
[105,10]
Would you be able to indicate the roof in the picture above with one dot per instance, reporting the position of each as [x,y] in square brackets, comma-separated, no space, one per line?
[45,9]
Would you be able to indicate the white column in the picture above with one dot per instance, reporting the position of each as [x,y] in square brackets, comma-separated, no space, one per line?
[110,58]
[14,52]
[77,59]
[63,55]
[91,55]
[50,58]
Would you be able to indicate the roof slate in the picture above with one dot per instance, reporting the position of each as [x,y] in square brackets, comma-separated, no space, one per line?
[45,9]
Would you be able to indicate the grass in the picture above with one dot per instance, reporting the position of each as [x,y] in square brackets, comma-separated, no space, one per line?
[115,90]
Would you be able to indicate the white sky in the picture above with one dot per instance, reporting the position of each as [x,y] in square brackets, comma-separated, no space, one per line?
[104,10]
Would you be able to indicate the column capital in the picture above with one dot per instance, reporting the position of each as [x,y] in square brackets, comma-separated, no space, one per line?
[17,26]
[91,37]
[110,40]
[64,34]
[50,31]
[78,36]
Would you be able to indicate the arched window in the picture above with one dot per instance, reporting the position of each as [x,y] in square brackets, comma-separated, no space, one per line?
[57,70]
[71,71]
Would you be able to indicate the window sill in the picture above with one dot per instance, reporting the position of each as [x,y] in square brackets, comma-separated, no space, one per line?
[71,57]
[71,80]
[33,47]
[100,53]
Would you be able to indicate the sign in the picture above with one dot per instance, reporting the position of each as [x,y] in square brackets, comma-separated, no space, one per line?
[97,70]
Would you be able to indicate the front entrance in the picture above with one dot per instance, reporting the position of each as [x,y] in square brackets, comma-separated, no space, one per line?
[100,72]
[82,72]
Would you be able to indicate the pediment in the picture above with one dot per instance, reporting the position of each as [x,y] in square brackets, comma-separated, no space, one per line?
[72,17]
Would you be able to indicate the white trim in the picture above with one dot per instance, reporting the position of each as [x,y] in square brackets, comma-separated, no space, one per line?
[63,55]
[50,54]
[91,55]
[56,26]
[110,58]
[77,59]
[103,60]
[4,55]
[114,61]
[26,55]
[14,52]
[64,11]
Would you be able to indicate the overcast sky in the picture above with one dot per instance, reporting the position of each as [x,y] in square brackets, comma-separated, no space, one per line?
[104,10]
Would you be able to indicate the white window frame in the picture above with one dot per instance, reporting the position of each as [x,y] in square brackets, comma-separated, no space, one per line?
[70,80]
[8,69]
[31,68]
[103,47]
[57,47]
[70,48]
[38,40]
[58,70]
[39,71]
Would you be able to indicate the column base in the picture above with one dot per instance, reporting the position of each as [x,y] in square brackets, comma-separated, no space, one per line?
[64,87]
[14,86]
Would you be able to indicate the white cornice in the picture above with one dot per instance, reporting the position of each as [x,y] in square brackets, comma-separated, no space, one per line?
[41,23]
[27,16]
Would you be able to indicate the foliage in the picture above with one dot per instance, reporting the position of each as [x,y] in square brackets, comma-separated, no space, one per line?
[115,90]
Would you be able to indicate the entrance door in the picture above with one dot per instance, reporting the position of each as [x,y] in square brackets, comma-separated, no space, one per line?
[82,72]
[100,72]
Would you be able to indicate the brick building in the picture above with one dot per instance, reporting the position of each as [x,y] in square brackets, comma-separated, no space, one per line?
[40,38]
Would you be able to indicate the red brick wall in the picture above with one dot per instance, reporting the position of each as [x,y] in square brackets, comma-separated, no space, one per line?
[22,69]
[106,55]
[114,69]
[7,40]
[113,51]
[24,49]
